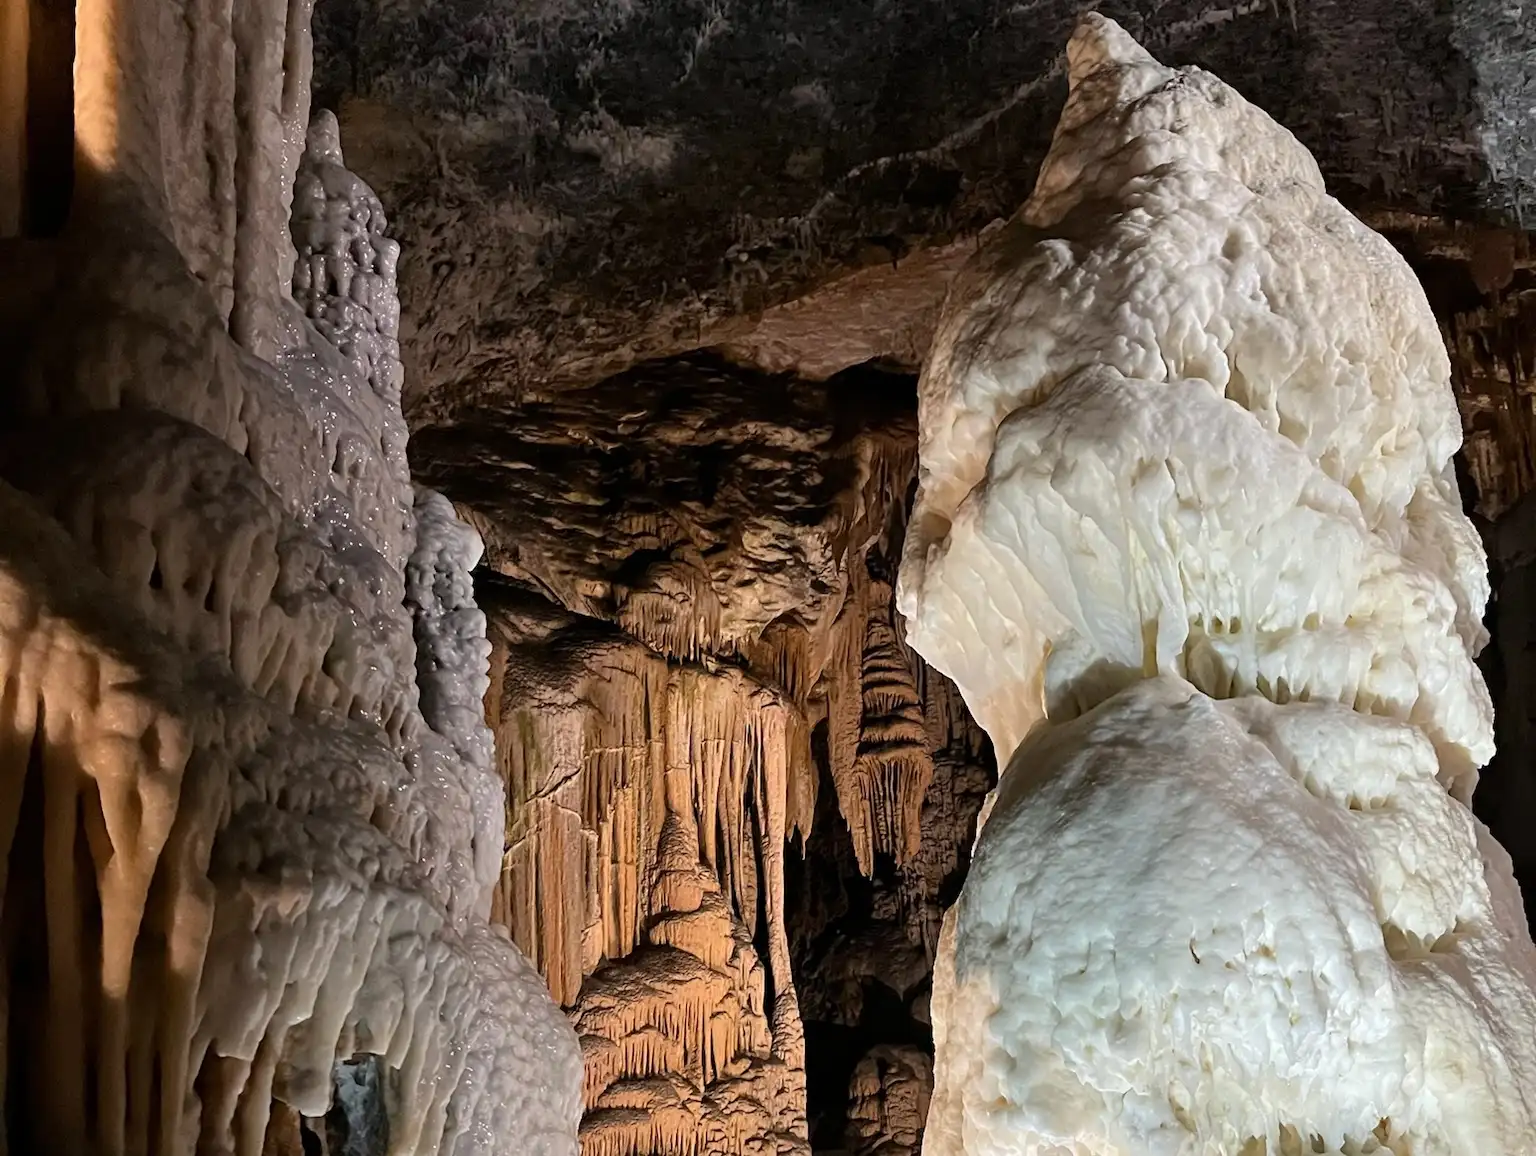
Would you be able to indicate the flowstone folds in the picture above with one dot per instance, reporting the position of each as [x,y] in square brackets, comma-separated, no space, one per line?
[248,808]
[1187,538]
[1200,926]
[1188,415]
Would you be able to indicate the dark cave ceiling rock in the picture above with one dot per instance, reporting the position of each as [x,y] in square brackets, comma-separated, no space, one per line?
[582,185]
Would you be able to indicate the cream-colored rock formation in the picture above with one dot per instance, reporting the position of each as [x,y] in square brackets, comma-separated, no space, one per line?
[250,813]
[214,513]
[1188,540]
[304,850]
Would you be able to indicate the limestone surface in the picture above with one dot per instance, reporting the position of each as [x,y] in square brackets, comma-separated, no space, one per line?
[1187,538]
[249,807]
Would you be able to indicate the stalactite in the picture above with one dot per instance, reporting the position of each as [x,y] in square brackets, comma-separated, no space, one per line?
[879,744]
[592,724]
[681,777]
[892,766]
[1493,370]
[659,765]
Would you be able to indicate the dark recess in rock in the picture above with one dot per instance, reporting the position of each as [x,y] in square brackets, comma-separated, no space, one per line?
[863,948]
[357,1124]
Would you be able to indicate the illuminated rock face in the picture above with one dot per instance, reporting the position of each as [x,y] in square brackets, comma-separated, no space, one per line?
[655,732]
[249,808]
[1187,539]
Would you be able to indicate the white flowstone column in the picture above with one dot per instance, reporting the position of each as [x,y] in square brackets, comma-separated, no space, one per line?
[1188,540]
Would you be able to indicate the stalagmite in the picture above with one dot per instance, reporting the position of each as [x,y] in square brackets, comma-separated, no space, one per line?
[251,818]
[660,792]
[1188,540]
[889,1096]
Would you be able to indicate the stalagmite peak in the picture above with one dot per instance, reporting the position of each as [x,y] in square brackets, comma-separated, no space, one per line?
[696,578]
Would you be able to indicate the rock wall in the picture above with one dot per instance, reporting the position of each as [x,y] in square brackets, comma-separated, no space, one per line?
[595,185]
[693,634]
[250,816]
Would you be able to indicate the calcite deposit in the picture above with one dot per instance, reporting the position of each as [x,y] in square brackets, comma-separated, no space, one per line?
[570,769]
[249,805]
[688,610]
[1188,540]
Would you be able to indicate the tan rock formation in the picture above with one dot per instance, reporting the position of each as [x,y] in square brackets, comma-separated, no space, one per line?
[880,759]
[889,1097]
[719,515]
[662,794]
[698,579]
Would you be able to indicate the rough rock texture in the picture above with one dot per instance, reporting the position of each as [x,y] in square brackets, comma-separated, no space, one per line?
[694,649]
[692,630]
[586,185]
[250,814]
[889,1097]
[721,515]
[1188,539]
[699,506]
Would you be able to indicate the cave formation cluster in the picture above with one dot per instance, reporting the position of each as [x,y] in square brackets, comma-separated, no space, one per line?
[603,786]
[296,891]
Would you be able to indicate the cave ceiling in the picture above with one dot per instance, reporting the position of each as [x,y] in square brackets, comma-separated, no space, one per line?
[614,180]
[582,186]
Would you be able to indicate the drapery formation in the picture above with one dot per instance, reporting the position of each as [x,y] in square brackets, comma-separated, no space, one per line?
[250,815]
